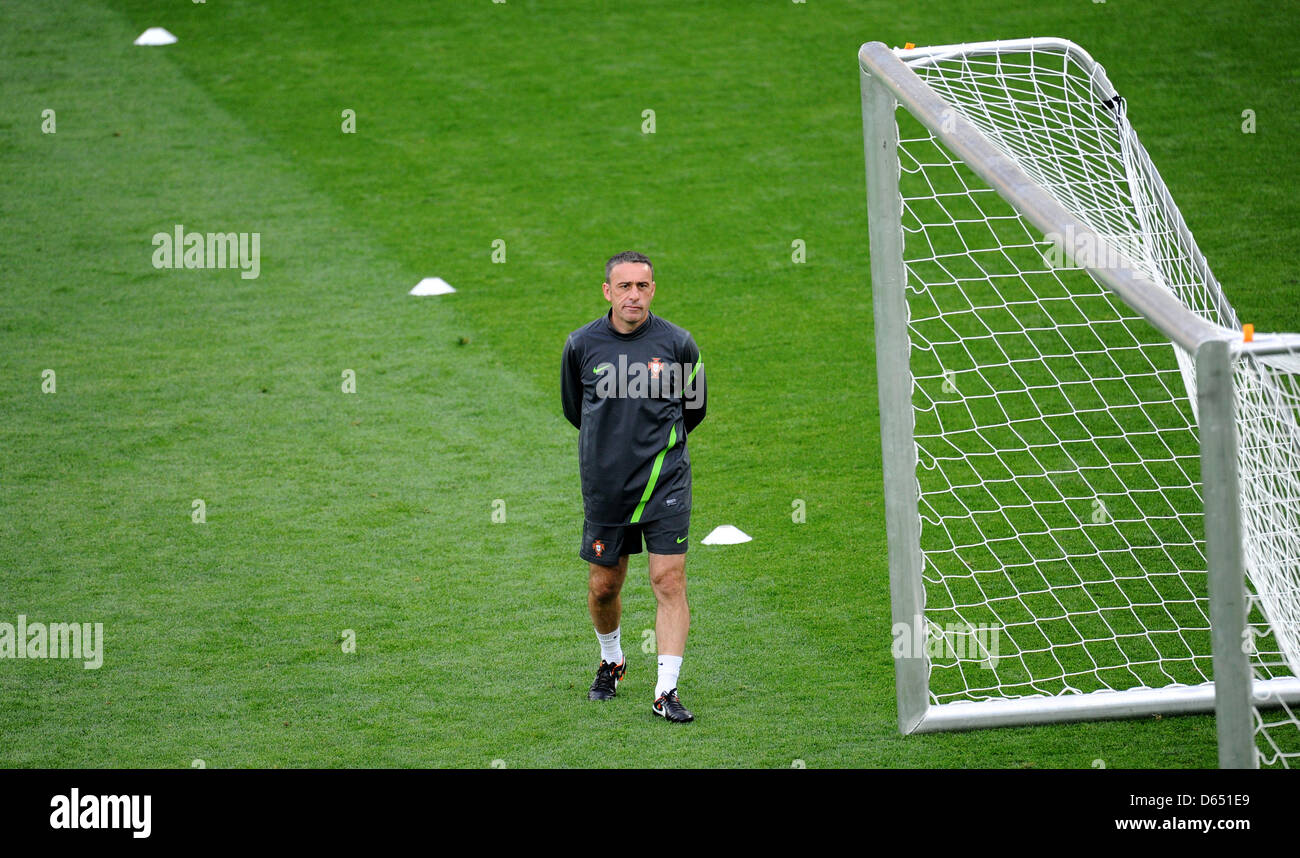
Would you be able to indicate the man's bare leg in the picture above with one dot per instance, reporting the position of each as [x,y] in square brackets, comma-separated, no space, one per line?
[673,615]
[604,584]
[672,622]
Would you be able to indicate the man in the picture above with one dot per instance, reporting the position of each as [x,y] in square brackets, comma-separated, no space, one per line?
[633,385]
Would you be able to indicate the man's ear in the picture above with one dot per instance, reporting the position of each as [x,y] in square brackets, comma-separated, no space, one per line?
[604,288]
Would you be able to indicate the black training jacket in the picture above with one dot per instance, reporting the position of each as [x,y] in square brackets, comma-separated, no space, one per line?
[634,398]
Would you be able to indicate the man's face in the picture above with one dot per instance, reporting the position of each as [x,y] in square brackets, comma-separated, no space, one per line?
[629,291]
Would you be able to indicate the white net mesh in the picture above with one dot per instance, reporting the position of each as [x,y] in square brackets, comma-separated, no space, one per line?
[1268,414]
[1276,721]
[1058,458]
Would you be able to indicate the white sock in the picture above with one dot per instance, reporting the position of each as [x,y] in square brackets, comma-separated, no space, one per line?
[669,667]
[611,647]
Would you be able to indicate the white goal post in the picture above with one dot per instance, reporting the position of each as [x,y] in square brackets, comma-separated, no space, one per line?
[1091,468]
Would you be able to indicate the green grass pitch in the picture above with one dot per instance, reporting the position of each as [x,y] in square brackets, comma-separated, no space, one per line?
[371,513]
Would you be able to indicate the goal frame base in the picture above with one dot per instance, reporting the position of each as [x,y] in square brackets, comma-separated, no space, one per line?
[1093,706]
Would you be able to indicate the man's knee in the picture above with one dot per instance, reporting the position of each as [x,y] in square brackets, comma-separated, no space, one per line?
[606,582]
[668,576]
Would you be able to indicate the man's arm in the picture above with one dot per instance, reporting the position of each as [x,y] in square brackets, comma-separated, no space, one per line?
[694,393]
[571,383]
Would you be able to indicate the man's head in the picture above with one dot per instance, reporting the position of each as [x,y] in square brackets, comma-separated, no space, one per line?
[629,288]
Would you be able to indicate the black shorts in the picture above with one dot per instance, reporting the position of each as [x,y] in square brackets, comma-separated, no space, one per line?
[604,544]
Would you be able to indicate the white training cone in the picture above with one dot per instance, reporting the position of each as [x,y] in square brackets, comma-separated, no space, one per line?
[726,535]
[156,36]
[432,286]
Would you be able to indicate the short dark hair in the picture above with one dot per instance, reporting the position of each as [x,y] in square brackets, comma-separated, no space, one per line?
[627,256]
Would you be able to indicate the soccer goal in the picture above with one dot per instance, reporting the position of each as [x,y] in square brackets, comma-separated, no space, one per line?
[1091,468]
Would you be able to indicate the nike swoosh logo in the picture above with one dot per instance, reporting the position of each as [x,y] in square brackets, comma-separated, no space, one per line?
[683,539]
[604,366]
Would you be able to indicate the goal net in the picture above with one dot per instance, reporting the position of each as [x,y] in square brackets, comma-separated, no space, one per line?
[1041,308]
[1267,390]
